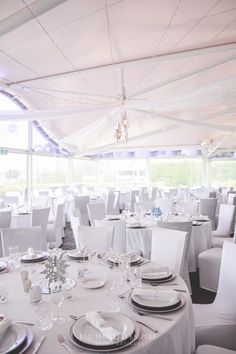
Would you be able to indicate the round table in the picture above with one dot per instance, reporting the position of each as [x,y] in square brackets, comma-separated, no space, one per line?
[173,337]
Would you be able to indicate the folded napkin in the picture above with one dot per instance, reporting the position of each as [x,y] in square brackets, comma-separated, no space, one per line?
[98,322]
[156,272]
[31,252]
[156,294]
[4,324]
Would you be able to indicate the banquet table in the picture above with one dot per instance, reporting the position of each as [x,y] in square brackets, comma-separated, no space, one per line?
[173,337]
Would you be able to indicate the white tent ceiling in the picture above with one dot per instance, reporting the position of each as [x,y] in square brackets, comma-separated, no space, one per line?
[77,64]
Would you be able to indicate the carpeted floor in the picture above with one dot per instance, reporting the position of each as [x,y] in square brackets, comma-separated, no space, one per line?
[199,296]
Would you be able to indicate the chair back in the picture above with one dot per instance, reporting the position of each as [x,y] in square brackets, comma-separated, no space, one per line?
[23,238]
[225,301]
[75,222]
[5,218]
[112,203]
[40,218]
[208,207]
[96,238]
[231,199]
[133,195]
[59,224]
[96,211]
[166,205]
[169,248]
[119,238]
[226,215]
[81,204]
[154,193]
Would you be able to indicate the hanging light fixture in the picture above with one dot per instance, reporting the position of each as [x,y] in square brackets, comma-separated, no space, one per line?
[121,130]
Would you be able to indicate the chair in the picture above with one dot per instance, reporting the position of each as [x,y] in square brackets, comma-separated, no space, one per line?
[185,226]
[55,231]
[81,204]
[143,206]
[166,205]
[112,203]
[211,349]
[96,211]
[215,324]
[75,222]
[40,218]
[23,238]
[5,218]
[119,238]
[95,238]
[208,207]
[209,265]
[231,198]
[169,248]
[133,195]
[154,193]
[223,230]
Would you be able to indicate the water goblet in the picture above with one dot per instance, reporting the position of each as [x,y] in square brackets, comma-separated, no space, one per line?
[44,312]
[57,300]
[14,256]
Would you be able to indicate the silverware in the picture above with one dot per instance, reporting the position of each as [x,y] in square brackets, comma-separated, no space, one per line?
[62,341]
[25,322]
[38,345]
[75,318]
[163,284]
[154,315]
[147,325]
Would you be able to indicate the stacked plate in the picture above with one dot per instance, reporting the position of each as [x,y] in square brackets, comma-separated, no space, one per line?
[77,255]
[33,258]
[134,259]
[157,275]
[16,339]
[155,300]
[83,335]
[2,266]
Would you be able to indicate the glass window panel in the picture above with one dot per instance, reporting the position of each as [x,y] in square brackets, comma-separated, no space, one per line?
[223,173]
[175,172]
[13,174]
[84,173]
[49,172]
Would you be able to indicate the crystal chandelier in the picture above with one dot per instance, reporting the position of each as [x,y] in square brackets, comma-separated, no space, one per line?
[121,130]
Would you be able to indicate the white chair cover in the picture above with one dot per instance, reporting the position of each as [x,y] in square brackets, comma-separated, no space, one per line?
[215,323]
[133,195]
[23,238]
[166,205]
[40,218]
[96,211]
[112,203]
[154,193]
[75,222]
[169,247]
[55,231]
[225,221]
[81,204]
[5,218]
[231,198]
[185,226]
[210,349]
[139,241]
[208,207]
[96,238]
[119,238]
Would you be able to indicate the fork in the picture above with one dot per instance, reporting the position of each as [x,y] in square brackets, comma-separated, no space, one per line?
[61,340]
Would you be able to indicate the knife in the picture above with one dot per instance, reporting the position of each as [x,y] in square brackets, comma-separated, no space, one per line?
[38,344]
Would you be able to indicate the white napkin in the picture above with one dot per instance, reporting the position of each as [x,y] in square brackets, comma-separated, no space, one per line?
[155,272]
[31,252]
[98,322]
[4,324]
[156,294]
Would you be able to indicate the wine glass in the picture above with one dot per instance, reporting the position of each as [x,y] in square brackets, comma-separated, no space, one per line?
[14,256]
[57,300]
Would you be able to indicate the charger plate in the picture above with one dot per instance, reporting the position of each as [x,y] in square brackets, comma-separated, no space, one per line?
[156,311]
[13,338]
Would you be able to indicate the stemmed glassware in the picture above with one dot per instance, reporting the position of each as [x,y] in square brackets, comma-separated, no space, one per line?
[57,300]
[14,256]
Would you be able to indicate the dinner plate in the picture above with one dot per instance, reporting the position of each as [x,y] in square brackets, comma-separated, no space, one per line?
[27,342]
[2,266]
[112,219]
[136,227]
[14,336]
[159,281]
[156,273]
[133,259]
[77,255]
[132,339]
[164,299]
[38,257]
[92,283]
[145,310]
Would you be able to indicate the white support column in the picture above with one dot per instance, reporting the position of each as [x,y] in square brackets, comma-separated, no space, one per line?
[70,172]
[29,166]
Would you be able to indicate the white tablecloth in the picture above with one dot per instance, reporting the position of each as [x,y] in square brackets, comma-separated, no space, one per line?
[173,337]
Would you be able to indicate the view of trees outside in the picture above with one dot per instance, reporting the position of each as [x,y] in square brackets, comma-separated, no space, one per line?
[223,173]
[49,172]
[122,173]
[83,173]
[176,172]
[12,174]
